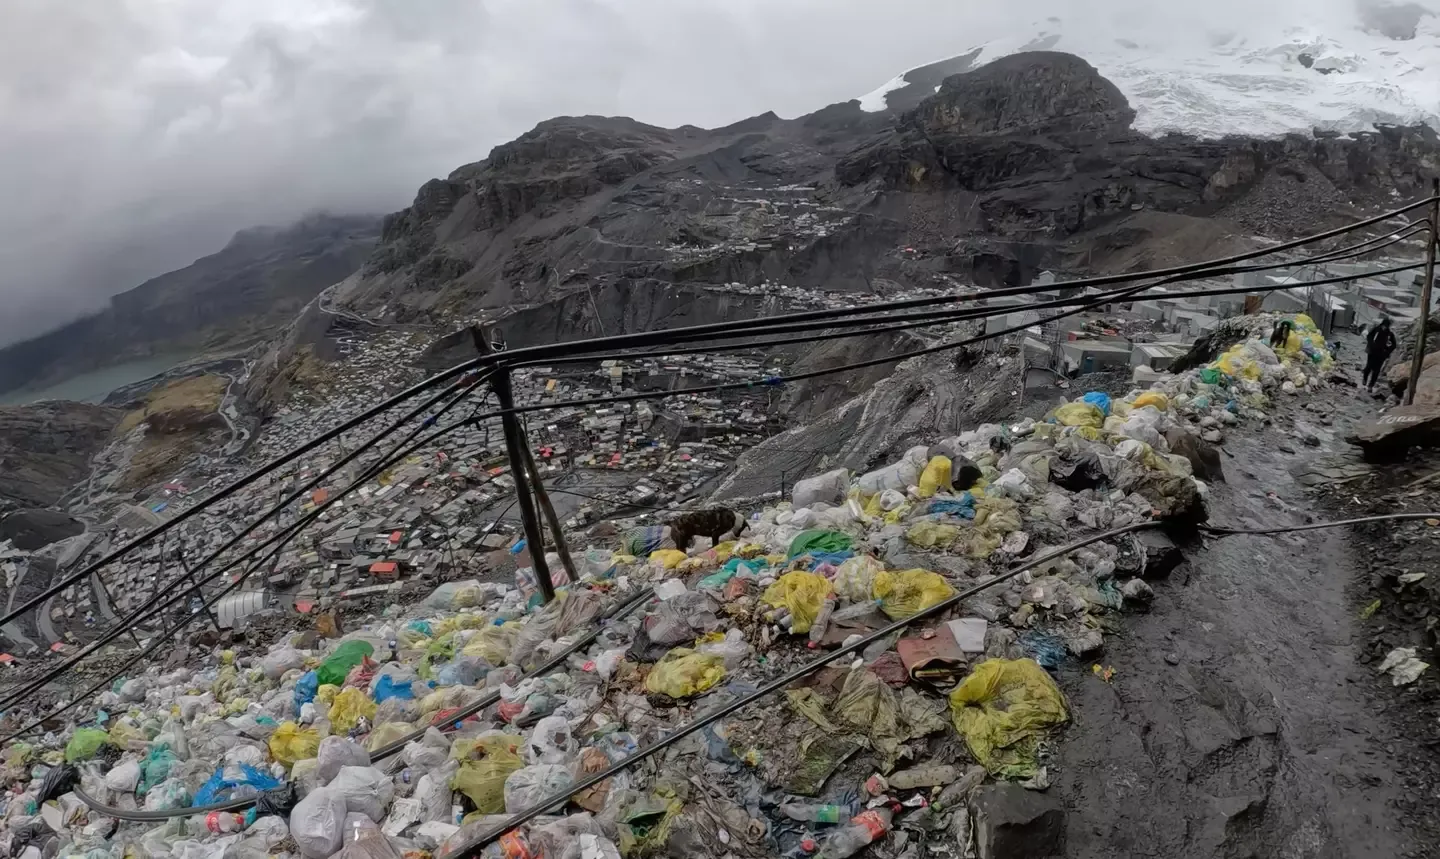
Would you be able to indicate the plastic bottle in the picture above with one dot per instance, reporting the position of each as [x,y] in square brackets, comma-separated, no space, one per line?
[814,812]
[822,621]
[224,822]
[859,609]
[863,828]
[926,776]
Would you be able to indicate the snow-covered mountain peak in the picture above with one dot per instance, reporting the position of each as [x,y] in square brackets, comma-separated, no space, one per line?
[1379,64]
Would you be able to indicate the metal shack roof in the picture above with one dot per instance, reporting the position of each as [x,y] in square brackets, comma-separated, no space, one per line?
[232,610]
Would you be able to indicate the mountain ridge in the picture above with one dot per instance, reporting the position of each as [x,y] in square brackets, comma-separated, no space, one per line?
[226,300]
[1006,168]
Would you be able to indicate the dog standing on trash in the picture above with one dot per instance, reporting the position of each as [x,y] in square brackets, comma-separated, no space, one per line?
[717,523]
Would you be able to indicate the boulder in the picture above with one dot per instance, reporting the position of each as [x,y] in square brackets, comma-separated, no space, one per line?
[1388,435]
[1011,822]
[1161,555]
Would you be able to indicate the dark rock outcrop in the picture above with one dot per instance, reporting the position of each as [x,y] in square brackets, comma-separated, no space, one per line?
[35,529]
[45,449]
[1003,172]
[261,279]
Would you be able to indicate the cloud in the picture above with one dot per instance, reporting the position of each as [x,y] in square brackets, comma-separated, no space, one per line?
[136,135]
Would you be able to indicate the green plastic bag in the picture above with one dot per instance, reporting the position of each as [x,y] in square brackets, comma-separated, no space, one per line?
[84,744]
[155,768]
[1002,709]
[337,665]
[820,541]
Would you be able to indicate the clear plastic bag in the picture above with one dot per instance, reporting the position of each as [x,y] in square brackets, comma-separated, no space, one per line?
[530,785]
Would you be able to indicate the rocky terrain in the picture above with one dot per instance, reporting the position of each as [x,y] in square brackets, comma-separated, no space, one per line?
[1026,163]
[230,299]
[45,449]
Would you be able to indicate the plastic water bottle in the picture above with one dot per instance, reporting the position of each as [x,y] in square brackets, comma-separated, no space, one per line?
[814,812]
[859,609]
[822,621]
[862,830]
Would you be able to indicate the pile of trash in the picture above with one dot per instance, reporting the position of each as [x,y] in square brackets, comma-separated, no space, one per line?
[427,728]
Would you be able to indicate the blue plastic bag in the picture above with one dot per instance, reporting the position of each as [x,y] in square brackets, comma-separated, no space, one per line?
[218,787]
[386,688]
[306,688]
[1098,399]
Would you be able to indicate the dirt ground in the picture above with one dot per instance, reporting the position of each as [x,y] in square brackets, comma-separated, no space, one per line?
[1246,717]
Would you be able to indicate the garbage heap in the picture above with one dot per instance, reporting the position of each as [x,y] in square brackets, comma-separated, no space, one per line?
[386,743]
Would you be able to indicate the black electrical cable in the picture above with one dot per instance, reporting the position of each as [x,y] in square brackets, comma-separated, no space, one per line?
[944,347]
[1130,293]
[645,339]
[690,333]
[618,612]
[1092,302]
[492,697]
[473,847]
[156,606]
[953,315]
[237,486]
[285,536]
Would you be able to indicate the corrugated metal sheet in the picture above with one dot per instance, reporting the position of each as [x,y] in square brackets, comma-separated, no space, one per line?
[232,610]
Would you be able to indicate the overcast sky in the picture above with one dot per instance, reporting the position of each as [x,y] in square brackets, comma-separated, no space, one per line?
[136,135]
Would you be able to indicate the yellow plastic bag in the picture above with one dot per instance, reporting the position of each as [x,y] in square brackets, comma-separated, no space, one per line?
[801,592]
[291,743]
[1080,415]
[1236,364]
[483,779]
[935,477]
[126,735]
[493,643]
[668,558]
[385,734]
[855,579]
[349,707]
[909,592]
[1001,709]
[326,693]
[682,672]
[1152,398]
[931,534]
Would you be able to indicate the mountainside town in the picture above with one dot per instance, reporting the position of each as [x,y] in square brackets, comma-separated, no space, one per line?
[971,476]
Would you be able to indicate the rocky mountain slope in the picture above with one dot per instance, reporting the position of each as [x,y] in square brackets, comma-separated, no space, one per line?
[229,299]
[1029,162]
[45,449]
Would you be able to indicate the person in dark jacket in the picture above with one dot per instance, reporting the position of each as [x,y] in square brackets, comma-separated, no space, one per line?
[1379,344]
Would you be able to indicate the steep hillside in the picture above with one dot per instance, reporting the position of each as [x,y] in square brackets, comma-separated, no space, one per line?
[1014,167]
[46,448]
[262,278]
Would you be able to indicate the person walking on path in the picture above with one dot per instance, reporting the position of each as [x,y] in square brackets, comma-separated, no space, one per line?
[1379,344]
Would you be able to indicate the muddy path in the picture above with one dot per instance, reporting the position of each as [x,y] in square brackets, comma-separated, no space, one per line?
[1241,721]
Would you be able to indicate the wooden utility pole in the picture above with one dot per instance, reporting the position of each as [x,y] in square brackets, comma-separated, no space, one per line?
[1418,359]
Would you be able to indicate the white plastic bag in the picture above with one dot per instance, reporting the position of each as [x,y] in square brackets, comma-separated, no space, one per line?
[828,487]
[124,776]
[528,786]
[366,790]
[551,743]
[317,823]
[898,476]
[337,752]
[280,660]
